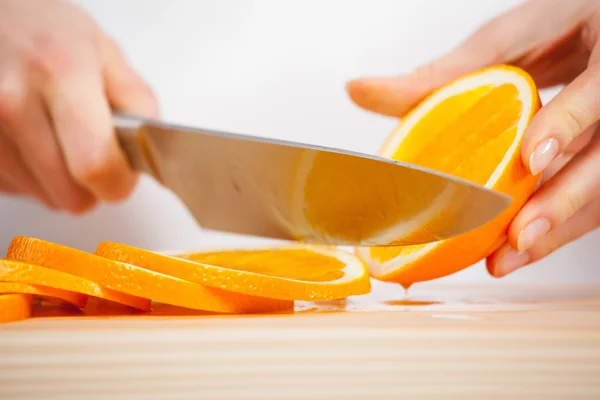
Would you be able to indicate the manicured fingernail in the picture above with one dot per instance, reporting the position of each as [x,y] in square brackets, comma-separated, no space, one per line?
[532,233]
[510,261]
[543,155]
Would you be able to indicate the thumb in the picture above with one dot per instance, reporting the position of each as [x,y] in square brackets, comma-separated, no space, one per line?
[125,90]
[500,41]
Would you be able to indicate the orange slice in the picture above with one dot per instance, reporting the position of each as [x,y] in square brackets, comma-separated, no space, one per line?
[12,271]
[297,272]
[49,293]
[15,307]
[471,128]
[137,281]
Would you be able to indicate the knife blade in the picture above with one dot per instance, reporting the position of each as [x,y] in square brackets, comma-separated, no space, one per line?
[262,187]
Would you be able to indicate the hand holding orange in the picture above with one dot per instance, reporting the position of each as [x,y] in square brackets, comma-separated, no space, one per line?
[555,42]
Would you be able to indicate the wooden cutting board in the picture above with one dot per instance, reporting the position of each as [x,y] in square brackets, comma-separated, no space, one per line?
[443,341]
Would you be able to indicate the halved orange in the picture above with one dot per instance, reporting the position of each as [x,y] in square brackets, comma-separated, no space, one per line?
[292,272]
[15,307]
[140,282]
[470,128]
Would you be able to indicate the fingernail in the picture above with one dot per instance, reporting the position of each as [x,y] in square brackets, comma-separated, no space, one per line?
[543,155]
[532,233]
[510,261]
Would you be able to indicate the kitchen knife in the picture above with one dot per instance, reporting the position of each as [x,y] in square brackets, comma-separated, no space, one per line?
[256,186]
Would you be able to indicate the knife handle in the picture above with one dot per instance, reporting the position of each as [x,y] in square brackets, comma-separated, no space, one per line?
[128,129]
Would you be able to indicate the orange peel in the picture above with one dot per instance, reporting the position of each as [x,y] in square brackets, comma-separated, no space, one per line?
[49,293]
[15,307]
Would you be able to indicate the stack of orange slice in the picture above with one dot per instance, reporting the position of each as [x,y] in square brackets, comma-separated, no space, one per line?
[224,281]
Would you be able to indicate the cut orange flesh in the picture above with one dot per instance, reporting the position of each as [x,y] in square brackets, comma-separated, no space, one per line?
[26,272]
[357,207]
[136,281]
[288,273]
[472,129]
[49,293]
[15,307]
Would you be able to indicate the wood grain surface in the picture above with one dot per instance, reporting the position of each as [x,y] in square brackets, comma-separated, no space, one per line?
[443,341]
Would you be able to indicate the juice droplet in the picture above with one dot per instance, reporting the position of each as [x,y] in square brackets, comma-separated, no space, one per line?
[406,286]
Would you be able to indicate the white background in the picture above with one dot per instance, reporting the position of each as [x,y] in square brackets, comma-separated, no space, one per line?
[274,69]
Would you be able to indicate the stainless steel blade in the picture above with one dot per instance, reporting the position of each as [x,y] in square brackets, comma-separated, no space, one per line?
[254,186]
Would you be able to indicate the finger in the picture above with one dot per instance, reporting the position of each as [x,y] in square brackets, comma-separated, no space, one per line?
[559,199]
[507,260]
[504,40]
[16,176]
[15,127]
[125,90]
[14,172]
[582,222]
[564,118]
[558,61]
[9,188]
[570,151]
[82,121]
[26,125]
[394,96]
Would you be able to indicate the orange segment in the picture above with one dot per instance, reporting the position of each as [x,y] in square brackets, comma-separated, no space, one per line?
[38,276]
[15,307]
[471,128]
[137,281]
[456,140]
[49,293]
[292,272]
